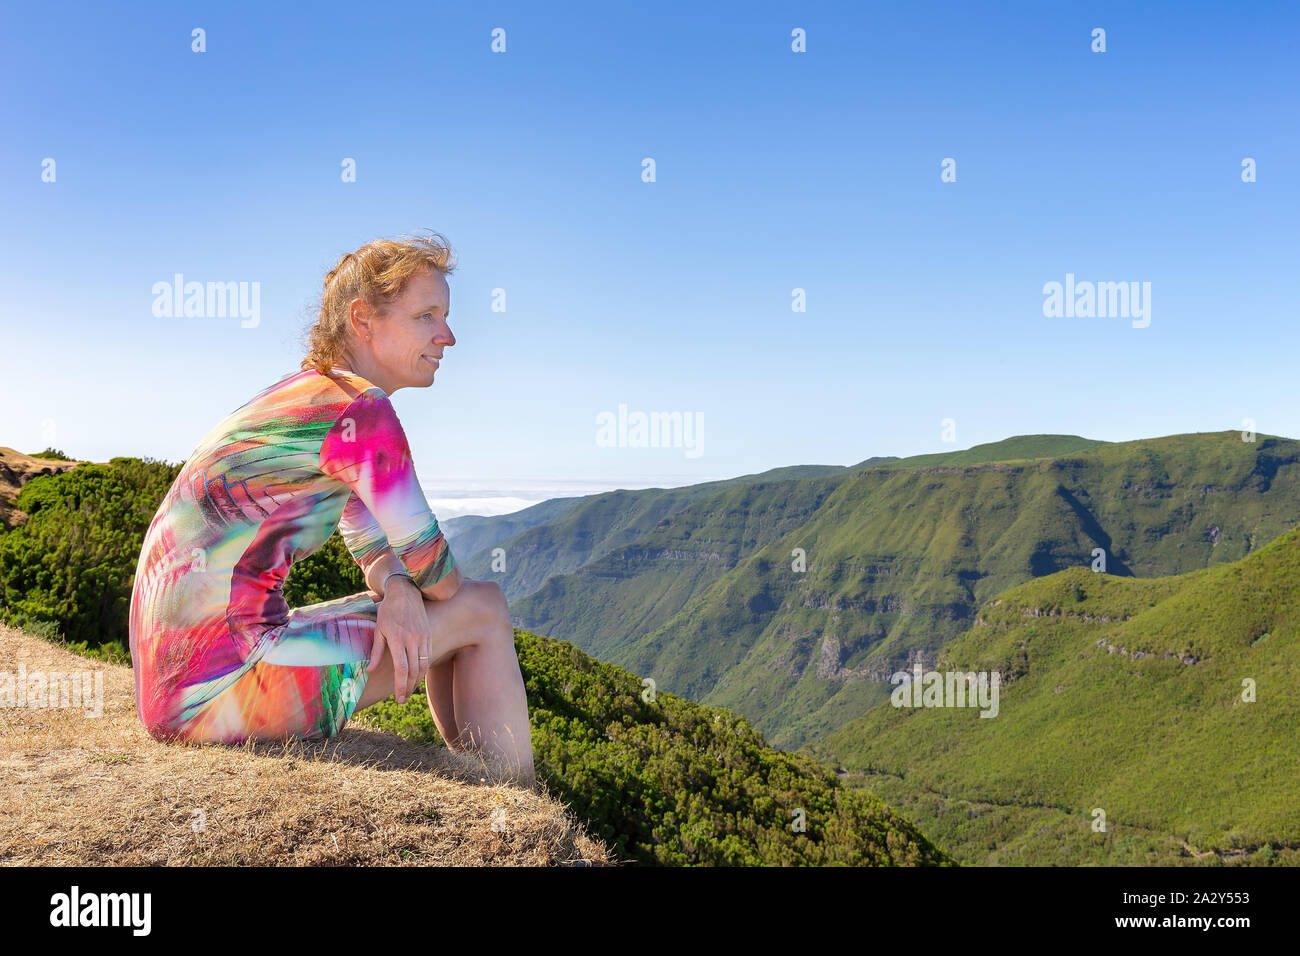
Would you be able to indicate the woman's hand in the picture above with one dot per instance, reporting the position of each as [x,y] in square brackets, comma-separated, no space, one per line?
[403,627]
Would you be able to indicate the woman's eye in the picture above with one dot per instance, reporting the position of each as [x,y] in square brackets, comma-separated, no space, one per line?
[427,316]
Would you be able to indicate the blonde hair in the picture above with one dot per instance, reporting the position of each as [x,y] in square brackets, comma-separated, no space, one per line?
[377,273]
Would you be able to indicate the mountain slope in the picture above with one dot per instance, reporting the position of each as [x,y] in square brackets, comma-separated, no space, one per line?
[1126,695]
[897,562]
[613,600]
[637,587]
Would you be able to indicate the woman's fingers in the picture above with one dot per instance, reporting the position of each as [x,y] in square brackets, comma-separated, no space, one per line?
[408,668]
[401,671]
[376,649]
[407,637]
[417,665]
[426,648]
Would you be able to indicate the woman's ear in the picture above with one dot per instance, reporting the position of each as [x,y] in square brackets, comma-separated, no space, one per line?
[359,317]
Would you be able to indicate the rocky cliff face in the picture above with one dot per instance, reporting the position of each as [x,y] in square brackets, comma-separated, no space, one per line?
[829,666]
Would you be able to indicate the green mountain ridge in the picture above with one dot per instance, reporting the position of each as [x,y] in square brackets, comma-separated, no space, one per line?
[898,560]
[589,528]
[1126,695]
[1016,448]
[597,524]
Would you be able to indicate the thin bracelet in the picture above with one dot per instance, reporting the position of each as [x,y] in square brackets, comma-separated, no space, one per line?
[404,574]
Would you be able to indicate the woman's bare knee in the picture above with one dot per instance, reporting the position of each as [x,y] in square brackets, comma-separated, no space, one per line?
[496,628]
[488,606]
[490,598]
[477,612]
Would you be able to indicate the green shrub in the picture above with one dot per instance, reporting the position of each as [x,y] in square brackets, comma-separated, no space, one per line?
[52,453]
[73,561]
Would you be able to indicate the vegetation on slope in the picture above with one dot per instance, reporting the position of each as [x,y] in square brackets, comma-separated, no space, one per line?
[16,469]
[1127,695]
[667,781]
[73,561]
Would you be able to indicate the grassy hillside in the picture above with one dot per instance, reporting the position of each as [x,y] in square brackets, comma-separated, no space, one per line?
[898,560]
[1126,695]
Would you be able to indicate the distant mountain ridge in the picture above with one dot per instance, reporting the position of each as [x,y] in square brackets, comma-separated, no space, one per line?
[700,593]
[612,518]
[470,534]
[1016,448]
[563,534]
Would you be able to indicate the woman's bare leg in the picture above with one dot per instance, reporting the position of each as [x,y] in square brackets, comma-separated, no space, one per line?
[438,688]
[475,688]
[489,701]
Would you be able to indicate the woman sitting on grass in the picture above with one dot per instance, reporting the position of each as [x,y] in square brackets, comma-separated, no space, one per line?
[218,654]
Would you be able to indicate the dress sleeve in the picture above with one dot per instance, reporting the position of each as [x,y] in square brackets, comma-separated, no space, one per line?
[367,450]
[365,540]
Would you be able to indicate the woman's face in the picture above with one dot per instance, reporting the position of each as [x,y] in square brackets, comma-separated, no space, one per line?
[406,343]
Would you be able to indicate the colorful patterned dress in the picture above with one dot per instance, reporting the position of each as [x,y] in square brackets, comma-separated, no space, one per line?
[218,654]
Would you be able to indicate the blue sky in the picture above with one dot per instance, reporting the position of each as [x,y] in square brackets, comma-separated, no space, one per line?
[775,170]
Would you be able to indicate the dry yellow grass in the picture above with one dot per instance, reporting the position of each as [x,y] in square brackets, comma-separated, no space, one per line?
[82,790]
